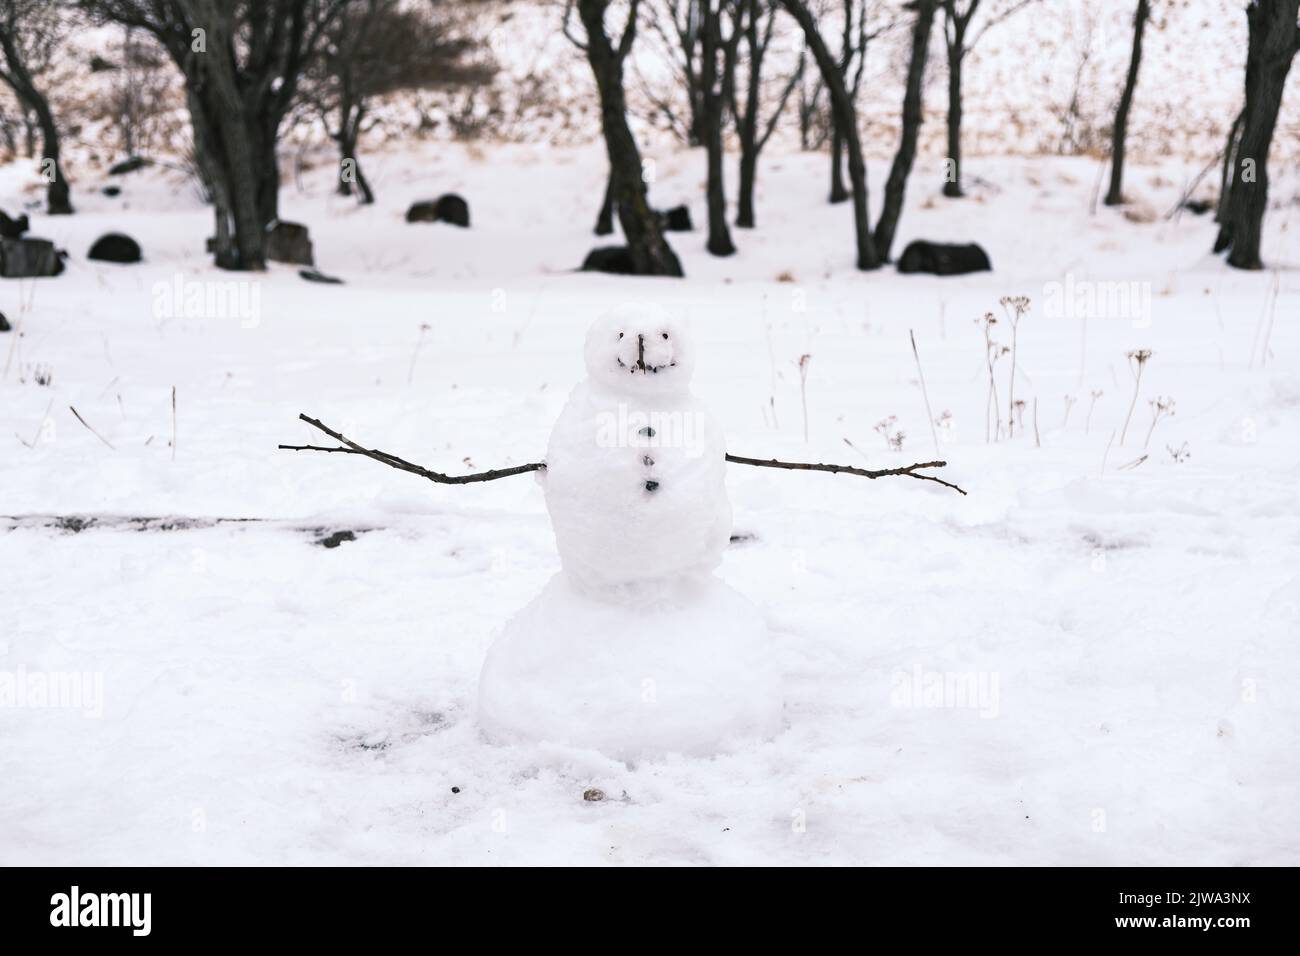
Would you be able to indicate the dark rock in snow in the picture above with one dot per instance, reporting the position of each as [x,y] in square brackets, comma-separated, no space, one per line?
[112,191]
[336,539]
[942,259]
[115,247]
[423,211]
[448,208]
[312,275]
[99,65]
[453,209]
[128,166]
[1198,207]
[615,259]
[289,242]
[677,219]
[12,228]
[29,258]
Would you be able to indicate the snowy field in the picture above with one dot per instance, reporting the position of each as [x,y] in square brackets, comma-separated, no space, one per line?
[1128,623]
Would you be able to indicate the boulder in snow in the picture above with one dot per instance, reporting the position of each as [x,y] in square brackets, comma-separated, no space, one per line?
[29,258]
[289,242]
[448,208]
[943,259]
[615,259]
[115,247]
[677,219]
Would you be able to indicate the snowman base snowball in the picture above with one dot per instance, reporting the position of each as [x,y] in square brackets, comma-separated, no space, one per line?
[683,667]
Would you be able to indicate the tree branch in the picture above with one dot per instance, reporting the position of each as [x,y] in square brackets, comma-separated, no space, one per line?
[629,31]
[908,471]
[350,447]
[392,461]
[568,33]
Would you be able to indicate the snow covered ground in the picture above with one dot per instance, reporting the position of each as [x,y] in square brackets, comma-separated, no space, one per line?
[1126,625]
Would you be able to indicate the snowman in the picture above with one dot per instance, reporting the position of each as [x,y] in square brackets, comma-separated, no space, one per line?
[635,648]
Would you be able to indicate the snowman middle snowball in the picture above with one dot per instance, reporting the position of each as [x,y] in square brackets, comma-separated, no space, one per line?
[635,478]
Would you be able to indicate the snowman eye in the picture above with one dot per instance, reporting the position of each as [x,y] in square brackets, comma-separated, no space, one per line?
[665,335]
[620,335]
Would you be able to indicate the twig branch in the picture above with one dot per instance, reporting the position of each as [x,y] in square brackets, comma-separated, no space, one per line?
[350,447]
[392,461]
[929,415]
[173,423]
[89,429]
[908,471]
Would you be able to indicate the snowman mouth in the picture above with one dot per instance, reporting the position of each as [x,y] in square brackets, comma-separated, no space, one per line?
[640,365]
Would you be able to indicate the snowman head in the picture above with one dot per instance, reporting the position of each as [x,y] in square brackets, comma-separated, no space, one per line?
[640,349]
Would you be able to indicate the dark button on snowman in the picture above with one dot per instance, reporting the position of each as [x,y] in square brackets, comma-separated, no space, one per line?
[635,648]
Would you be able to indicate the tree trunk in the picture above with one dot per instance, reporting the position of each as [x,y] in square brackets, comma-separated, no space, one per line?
[846,118]
[225,160]
[266,167]
[747,123]
[714,84]
[650,253]
[690,39]
[896,185]
[58,195]
[349,132]
[1115,194]
[347,153]
[839,192]
[365,195]
[956,54]
[1274,41]
[745,194]
[605,218]
[805,107]
[30,129]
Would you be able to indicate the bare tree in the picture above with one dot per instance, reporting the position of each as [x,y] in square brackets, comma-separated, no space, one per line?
[717,90]
[855,37]
[242,61]
[752,130]
[846,119]
[138,98]
[677,25]
[814,119]
[377,47]
[958,41]
[1274,41]
[704,55]
[1115,194]
[649,251]
[896,184]
[30,32]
